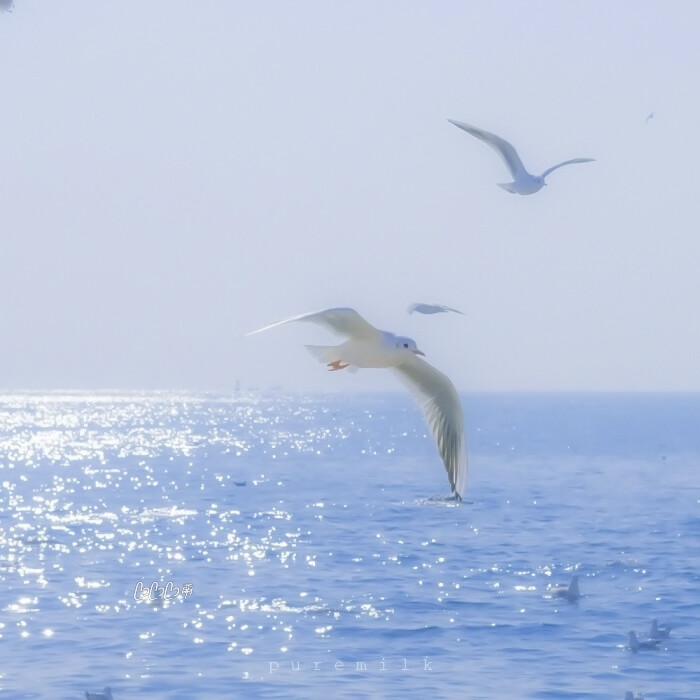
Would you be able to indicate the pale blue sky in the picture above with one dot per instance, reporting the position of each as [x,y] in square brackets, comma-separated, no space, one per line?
[175,174]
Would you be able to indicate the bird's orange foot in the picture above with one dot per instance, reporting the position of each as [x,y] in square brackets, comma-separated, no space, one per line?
[336,365]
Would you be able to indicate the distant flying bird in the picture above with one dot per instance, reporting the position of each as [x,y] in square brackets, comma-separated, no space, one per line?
[523,181]
[6,5]
[570,592]
[651,116]
[366,346]
[431,309]
[637,644]
[659,631]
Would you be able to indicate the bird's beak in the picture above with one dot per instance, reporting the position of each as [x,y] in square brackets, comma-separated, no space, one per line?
[419,352]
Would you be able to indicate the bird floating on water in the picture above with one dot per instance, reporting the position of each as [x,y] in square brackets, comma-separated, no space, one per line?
[431,309]
[570,592]
[106,694]
[636,644]
[659,631]
[523,181]
[367,346]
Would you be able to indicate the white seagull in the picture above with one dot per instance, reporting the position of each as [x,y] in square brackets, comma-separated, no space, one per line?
[431,309]
[523,181]
[366,346]
[637,644]
[570,592]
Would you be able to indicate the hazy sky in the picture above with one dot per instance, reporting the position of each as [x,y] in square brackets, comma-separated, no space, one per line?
[175,174]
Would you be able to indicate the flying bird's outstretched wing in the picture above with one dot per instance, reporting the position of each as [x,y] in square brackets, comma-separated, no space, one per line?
[566,162]
[442,410]
[501,146]
[339,320]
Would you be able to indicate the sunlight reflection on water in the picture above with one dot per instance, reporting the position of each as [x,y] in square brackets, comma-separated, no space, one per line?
[306,529]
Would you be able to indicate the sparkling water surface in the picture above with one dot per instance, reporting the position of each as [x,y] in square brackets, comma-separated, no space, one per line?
[302,546]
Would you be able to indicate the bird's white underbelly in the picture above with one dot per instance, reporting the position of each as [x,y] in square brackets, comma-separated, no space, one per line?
[362,354]
[527,185]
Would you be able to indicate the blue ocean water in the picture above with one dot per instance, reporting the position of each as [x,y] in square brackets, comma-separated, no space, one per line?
[300,547]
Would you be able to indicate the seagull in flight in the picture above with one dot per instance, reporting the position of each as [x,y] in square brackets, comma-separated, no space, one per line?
[431,309]
[523,181]
[367,346]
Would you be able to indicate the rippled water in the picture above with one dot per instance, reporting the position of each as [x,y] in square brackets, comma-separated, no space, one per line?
[299,547]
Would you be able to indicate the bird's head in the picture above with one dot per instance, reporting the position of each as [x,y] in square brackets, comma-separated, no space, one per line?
[408,344]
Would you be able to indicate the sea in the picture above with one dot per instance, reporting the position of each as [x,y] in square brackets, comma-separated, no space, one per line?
[272,545]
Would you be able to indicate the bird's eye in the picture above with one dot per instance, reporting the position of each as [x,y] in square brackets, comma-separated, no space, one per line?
[405,345]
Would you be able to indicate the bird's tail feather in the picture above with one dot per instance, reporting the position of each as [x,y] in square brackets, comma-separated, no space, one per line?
[508,186]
